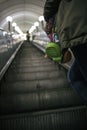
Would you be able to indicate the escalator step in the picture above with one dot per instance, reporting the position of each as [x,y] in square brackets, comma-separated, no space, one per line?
[34,64]
[64,119]
[34,76]
[33,69]
[41,100]
[33,86]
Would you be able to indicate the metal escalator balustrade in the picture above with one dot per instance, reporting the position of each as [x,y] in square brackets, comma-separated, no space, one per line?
[35,90]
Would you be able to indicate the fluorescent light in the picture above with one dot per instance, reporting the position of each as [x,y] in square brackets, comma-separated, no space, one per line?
[41,18]
[36,24]
[14,24]
[9,19]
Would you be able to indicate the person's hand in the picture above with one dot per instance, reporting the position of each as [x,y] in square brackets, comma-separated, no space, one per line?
[66,56]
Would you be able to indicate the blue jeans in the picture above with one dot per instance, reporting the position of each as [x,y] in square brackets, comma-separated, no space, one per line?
[77,74]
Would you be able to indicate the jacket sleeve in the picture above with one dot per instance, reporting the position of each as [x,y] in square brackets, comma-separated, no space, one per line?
[50,8]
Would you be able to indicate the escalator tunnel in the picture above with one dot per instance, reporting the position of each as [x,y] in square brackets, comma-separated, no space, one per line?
[35,95]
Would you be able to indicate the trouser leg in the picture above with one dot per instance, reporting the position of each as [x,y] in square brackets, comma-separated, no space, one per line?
[80,53]
[78,73]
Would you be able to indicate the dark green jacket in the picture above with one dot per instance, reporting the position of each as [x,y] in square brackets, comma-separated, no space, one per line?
[71,20]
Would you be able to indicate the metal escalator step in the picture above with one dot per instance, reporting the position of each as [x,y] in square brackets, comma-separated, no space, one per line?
[41,100]
[34,76]
[28,61]
[33,69]
[30,55]
[63,119]
[31,58]
[33,64]
[33,86]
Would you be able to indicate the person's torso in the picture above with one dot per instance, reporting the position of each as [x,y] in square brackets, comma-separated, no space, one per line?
[72,22]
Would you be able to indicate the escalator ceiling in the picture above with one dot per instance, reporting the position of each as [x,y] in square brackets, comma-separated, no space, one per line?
[23,12]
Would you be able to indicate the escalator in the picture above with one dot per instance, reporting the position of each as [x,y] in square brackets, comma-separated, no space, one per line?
[35,95]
